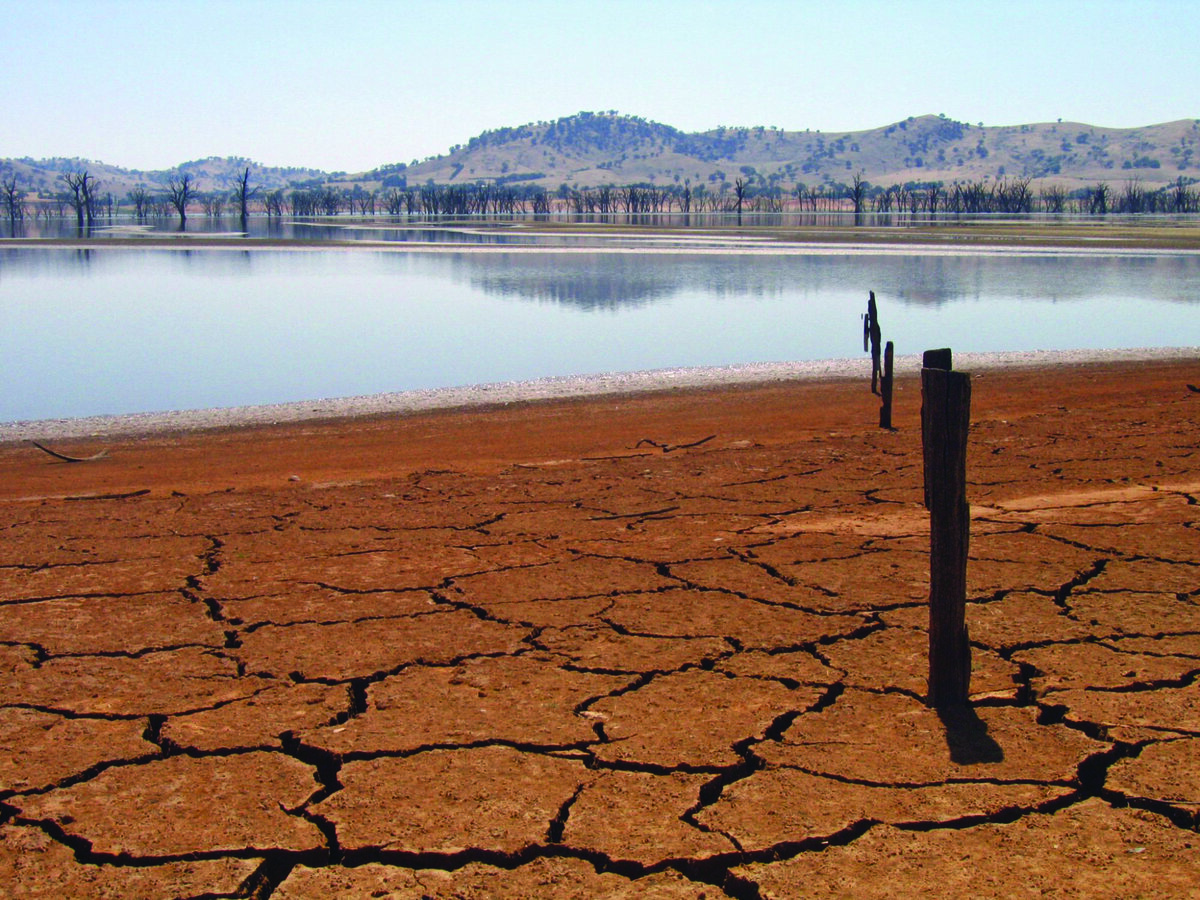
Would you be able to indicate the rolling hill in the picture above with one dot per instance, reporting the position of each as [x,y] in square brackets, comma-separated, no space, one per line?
[594,149]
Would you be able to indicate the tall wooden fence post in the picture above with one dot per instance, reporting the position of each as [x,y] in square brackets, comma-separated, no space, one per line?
[945,421]
[885,388]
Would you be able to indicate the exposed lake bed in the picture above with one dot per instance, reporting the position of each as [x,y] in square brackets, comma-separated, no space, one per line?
[114,327]
[669,643]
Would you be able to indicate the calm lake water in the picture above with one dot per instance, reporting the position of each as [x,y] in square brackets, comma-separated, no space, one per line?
[110,330]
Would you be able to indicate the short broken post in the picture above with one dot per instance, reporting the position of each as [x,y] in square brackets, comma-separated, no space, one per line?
[945,421]
[885,388]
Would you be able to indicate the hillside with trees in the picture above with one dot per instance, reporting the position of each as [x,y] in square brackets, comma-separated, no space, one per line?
[591,149]
[607,162]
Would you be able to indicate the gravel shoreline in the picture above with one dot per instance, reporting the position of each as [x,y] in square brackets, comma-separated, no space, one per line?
[551,388]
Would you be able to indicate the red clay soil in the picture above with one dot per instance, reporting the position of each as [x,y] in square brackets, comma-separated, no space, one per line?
[667,645]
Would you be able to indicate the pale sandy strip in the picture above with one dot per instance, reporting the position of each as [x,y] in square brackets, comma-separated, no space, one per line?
[557,387]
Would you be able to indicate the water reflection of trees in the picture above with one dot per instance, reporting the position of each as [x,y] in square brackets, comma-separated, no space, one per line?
[588,291]
[603,281]
[600,281]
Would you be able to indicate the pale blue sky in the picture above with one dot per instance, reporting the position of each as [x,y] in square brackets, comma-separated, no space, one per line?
[354,84]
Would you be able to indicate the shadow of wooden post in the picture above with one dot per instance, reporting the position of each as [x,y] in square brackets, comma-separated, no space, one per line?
[885,388]
[945,421]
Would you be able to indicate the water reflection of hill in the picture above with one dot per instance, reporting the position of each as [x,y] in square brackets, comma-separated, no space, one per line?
[606,286]
[602,281]
[605,281]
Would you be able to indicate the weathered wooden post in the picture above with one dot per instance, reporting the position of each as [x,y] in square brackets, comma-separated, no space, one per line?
[885,388]
[945,421]
[873,335]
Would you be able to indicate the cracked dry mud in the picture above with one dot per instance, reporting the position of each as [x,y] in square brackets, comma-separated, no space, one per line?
[551,650]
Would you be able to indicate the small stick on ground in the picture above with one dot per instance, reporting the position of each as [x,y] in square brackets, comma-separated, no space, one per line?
[667,448]
[71,459]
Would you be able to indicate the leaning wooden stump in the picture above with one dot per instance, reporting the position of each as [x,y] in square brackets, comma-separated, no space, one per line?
[871,338]
[885,388]
[945,421]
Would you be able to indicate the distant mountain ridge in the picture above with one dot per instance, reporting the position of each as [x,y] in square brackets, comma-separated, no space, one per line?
[593,149]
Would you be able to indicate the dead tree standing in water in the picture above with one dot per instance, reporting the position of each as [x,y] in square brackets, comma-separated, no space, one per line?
[180,193]
[83,196]
[14,203]
[242,192]
[873,337]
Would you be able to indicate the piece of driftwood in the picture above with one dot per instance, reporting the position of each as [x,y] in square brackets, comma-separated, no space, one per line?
[71,459]
[667,448]
[123,496]
[646,514]
[945,421]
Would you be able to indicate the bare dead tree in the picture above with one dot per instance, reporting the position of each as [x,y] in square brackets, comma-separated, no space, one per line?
[330,201]
[82,198]
[275,203]
[808,196]
[180,193]
[140,198]
[769,201]
[430,200]
[1133,197]
[1182,199]
[1015,196]
[1054,198]
[361,201]
[393,201]
[858,190]
[213,204]
[739,190]
[51,208]
[933,196]
[242,192]
[539,202]
[915,201]
[90,188]
[14,201]
[1099,199]
[75,198]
